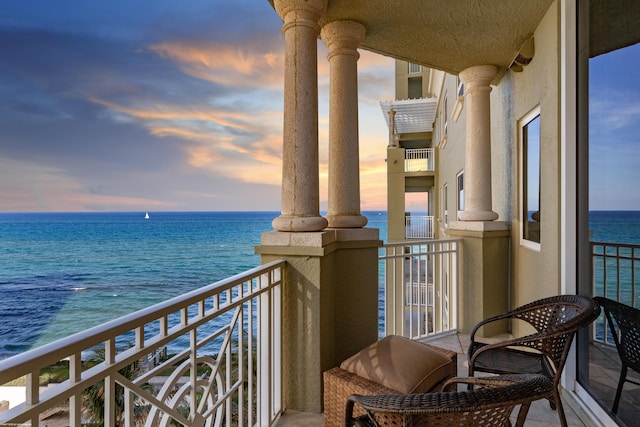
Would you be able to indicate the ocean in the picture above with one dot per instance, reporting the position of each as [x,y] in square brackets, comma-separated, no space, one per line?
[61,273]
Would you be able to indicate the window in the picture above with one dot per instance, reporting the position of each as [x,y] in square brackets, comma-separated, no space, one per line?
[530,160]
[460,87]
[445,205]
[415,87]
[414,68]
[460,180]
[445,113]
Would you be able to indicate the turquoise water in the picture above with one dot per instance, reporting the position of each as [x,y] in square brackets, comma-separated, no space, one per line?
[64,272]
[61,273]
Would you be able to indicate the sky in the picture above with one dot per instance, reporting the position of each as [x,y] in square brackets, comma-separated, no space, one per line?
[159,105]
[614,130]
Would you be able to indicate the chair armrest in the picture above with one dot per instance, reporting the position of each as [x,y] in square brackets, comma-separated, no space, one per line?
[513,342]
[480,324]
[496,391]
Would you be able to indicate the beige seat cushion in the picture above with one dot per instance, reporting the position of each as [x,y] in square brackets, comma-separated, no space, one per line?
[400,364]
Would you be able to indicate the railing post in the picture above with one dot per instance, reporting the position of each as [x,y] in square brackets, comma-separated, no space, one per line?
[109,384]
[75,401]
[264,350]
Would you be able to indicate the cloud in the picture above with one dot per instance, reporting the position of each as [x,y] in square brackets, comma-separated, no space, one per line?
[28,186]
[228,65]
[178,107]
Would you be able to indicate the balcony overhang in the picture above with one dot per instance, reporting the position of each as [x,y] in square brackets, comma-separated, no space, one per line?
[457,34]
[412,115]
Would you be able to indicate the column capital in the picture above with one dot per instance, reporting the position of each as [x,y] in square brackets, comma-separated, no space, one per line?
[478,76]
[313,7]
[343,37]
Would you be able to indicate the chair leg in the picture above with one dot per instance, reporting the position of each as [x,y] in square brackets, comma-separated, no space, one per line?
[559,408]
[623,376]
[522,414]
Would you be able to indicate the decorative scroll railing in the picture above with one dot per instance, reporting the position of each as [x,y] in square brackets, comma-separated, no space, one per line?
[421,287]
[210,357]
[419,160]
[615,275]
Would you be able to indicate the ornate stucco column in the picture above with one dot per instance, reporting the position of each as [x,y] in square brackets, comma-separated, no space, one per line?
[300,171]
[343,39]
[477,166]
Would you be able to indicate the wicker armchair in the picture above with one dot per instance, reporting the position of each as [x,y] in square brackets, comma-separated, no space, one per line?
[556,320]
[488,406]
[624,323]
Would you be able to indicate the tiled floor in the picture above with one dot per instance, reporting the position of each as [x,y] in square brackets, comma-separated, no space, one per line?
[604,371]
[540,414]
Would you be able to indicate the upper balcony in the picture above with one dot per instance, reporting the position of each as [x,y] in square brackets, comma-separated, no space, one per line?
[419,160]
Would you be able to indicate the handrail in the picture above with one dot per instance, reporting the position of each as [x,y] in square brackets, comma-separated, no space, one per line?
[225,362]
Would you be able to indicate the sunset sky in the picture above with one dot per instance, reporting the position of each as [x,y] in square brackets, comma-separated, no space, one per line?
[158,105]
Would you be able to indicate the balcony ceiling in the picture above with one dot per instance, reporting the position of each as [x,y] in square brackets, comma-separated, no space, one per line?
[452,35]
[448,35]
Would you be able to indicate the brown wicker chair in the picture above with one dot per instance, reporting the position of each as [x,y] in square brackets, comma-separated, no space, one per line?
[624,323]
[488,406]
[556,320]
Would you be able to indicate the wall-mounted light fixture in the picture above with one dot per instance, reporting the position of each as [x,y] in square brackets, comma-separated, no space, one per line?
[524,56]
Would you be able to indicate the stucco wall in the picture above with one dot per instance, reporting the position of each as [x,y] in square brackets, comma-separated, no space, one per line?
[450,156]
[535,273]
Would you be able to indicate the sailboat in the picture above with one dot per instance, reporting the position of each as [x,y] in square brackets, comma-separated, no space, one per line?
[146,215]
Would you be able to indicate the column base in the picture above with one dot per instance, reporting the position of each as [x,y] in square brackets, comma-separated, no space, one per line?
[477,216]
[299,223]
[346,221]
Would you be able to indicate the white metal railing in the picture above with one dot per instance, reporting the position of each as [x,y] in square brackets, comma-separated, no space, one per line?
[223,364]
[615,275]
[419,160]
[421,287]
[418,227]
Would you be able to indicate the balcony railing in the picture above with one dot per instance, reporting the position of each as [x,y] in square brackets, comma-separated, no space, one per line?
[616,275]
[421,287]
[418,227]
[222,364]
[211,356]
[419,160]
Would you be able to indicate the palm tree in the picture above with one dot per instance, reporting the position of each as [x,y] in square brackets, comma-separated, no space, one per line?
[94,395]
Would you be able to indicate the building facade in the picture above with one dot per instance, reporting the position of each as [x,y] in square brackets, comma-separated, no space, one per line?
[508,80]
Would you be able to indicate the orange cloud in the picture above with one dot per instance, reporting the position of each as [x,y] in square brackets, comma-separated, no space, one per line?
[216,148]
[225,64]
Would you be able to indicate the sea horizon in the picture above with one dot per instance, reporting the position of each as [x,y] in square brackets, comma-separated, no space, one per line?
[62,272]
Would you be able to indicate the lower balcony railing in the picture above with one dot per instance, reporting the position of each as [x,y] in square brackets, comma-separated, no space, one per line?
[421,287]
[209,357]
[418,227]
[616,275]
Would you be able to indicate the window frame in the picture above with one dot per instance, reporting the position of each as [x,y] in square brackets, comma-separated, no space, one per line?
[524,145]
[460,192]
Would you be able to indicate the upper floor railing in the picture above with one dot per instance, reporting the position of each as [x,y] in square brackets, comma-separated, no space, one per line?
[418,227]
[419,160]
[208,357]
[616,275]
[421,287]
